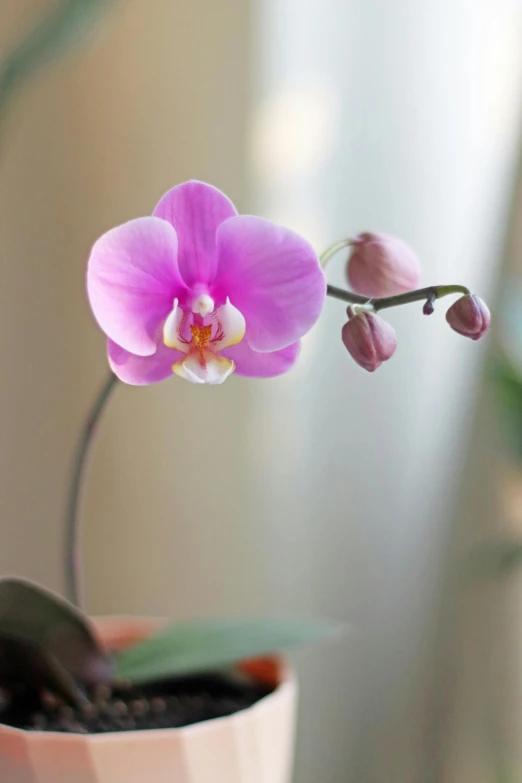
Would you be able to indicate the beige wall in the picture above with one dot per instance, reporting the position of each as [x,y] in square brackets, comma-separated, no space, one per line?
[92,141]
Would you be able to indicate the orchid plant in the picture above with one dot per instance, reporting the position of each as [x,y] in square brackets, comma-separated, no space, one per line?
[200,292]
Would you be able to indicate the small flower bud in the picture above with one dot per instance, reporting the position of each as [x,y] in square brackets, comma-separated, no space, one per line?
[370,340]
[429,305]
[382,265]
[469,316]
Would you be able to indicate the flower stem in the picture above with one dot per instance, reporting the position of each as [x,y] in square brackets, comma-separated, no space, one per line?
[327,254]
[72,518]
[426,294]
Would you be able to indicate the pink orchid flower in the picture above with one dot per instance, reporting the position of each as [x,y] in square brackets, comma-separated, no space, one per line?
[200,291]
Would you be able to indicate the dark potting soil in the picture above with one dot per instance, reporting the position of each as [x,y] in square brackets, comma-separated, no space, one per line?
[167,705]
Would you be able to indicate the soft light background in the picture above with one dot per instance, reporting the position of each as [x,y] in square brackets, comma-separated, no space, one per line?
[327,491]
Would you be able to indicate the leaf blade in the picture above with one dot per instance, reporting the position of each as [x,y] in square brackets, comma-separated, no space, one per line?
[30,612]
[26,664]
[200,645]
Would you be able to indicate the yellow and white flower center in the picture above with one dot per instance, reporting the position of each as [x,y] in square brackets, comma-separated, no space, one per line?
[201,335]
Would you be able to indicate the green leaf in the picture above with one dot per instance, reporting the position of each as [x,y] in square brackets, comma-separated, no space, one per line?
[27,667]
[508,387]
[494,558]
[50,34]
[30,613]
[208,644]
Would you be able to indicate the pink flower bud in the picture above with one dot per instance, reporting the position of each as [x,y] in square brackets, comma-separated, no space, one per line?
[370,340]
[382,265]
[469,316]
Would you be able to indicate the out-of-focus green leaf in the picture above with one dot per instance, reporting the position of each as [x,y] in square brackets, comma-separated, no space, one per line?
[209,644]
[32,614]
[26,667]
[508,388]
[498,557]
[50,35]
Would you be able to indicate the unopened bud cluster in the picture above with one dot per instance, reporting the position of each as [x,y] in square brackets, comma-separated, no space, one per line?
[386,269]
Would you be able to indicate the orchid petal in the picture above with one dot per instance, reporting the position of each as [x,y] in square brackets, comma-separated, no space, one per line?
[231,326]
[196,209]
[132,280]
[273,277]
[141,370]
[253,364]
[214,370]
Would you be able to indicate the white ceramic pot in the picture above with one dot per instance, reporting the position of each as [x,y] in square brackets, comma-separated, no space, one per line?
[252,746]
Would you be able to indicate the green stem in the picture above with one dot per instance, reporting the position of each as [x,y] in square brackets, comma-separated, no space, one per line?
[426,294]
[327,254]
[72,518]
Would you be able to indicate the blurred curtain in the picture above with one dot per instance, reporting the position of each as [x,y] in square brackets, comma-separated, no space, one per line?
[477,687]
[327,491]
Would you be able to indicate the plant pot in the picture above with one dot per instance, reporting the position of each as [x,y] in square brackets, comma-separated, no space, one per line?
[254,745]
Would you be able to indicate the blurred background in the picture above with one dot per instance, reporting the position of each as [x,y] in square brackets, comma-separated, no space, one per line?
[391,502]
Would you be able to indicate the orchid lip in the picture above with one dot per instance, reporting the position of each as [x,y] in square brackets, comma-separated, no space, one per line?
[202,338]
[204,367]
